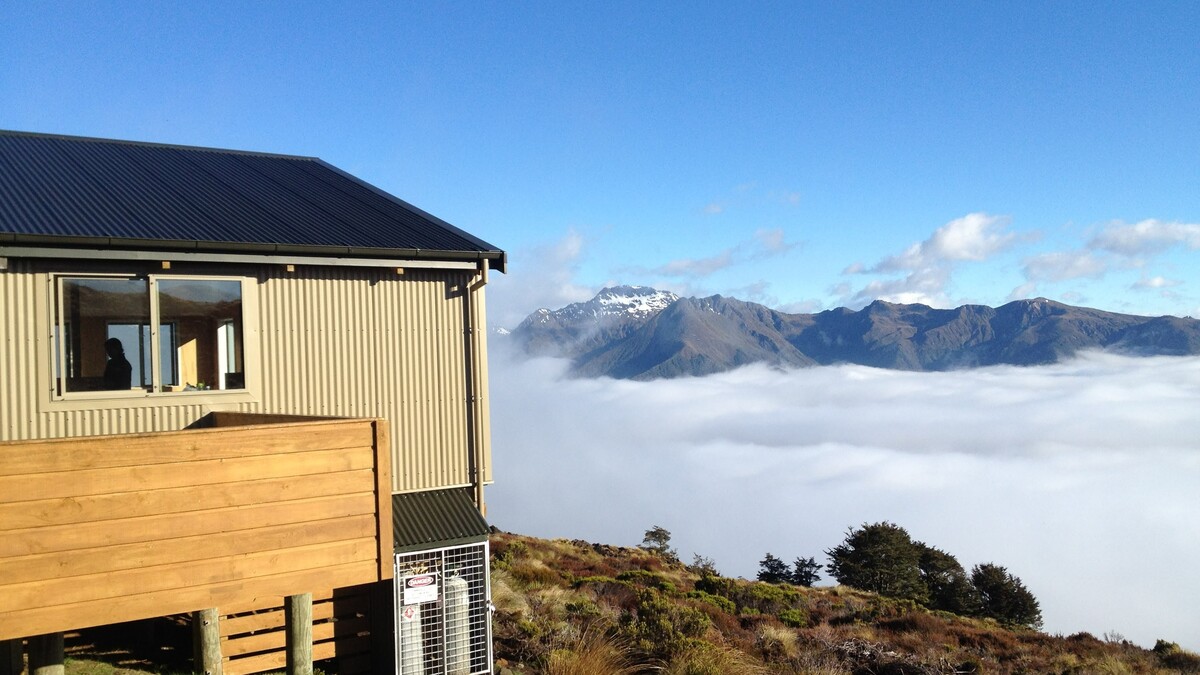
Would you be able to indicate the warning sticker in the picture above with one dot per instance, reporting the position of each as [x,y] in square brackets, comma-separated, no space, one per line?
[420,588]
[409,613]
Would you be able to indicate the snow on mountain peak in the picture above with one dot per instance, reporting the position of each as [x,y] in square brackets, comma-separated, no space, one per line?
[615,301]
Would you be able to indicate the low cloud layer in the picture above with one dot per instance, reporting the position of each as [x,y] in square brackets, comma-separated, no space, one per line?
[1080,478]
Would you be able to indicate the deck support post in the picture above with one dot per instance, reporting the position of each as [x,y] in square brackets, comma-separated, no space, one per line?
[207,623]
[298,618]
[12,657]
[46,655]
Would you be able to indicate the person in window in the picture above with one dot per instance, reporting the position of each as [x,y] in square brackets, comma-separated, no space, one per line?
[118,374]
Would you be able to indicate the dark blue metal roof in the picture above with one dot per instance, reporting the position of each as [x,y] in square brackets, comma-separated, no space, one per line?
[73,191]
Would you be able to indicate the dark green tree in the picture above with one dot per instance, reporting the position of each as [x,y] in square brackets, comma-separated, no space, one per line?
[704,566]
[805,572]
[657,540]
[881,558]
[773,570]
[946,582]
[1004,598]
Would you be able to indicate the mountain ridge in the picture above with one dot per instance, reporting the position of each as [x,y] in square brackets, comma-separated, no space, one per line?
[637,332]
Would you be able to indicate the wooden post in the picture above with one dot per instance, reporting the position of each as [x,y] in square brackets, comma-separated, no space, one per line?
[12,657]
[46,656]
[297,611]
[207,631]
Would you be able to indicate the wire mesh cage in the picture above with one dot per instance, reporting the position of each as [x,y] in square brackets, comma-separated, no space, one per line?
[443,618]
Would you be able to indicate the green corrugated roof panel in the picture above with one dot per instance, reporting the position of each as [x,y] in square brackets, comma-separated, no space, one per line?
[435,519]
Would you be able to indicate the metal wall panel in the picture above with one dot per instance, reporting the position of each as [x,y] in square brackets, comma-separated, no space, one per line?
[353,342]
[374,343]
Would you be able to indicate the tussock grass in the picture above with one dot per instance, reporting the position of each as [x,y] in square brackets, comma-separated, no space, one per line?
[714,659]
[778,642]
[594,652]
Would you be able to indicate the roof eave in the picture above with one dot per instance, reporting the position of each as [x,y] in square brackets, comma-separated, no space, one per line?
[497,260]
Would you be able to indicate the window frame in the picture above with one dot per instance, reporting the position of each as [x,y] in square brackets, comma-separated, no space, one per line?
[58,350]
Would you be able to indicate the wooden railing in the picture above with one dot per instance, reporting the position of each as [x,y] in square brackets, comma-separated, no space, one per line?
[106,529]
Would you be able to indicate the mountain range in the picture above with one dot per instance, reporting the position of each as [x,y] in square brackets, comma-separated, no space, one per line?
[636,332]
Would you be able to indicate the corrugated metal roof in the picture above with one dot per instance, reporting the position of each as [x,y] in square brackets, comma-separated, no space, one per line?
[122,194]
[434,519]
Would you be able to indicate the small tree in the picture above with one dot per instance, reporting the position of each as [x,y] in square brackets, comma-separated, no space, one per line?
[773,570]
[657,540]
[949,588]
[881,558]
[805,572]
[704,566]
[1004,598]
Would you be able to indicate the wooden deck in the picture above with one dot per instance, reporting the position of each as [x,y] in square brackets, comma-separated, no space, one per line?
[105,529]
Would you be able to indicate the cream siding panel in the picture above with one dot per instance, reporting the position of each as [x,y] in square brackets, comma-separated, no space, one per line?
[347,342]
[374,343]
[18,386]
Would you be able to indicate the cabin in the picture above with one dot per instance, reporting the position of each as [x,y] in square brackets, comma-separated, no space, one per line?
[245,390]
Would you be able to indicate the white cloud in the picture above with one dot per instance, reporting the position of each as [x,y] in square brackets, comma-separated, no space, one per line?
[772,240]
[1062,266]
[928,265]
[924,286]
[714,209]
[1153,283]
[1023,292]
[1080,478]
[975,237]
[1146,237]
[764,244]
[695,267]
[539,277]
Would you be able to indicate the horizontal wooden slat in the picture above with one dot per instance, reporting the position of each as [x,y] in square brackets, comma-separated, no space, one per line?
[206,518]
[86,482]
[277,639]
[259,604]
[115,610]
[155,528]
[93,508]
[271,618]
[65,564]
[216,572]
[97,452]
[275,660]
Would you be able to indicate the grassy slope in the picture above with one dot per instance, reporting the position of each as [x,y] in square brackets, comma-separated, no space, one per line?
[575,608]
[567,607]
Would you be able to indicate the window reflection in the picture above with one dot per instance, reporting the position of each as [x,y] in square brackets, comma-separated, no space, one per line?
[205,320]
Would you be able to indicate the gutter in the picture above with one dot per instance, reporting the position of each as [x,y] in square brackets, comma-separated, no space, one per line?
[48,246]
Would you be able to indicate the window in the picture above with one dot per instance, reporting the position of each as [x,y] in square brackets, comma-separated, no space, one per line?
[148,334]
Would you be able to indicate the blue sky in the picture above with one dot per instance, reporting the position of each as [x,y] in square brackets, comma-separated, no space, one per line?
[796,154]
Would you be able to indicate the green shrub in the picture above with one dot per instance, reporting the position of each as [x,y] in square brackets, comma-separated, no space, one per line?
[1175,657]
[722,603]
[647,579]
[796,618]
[663,628]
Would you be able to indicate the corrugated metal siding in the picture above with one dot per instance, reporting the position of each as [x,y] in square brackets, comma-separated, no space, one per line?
[334,341]
[373,343]
[18,388]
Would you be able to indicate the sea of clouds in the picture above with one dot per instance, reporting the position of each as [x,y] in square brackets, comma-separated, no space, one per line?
[1083,478]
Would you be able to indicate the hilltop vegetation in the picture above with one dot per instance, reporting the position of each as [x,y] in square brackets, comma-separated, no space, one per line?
[577,608]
